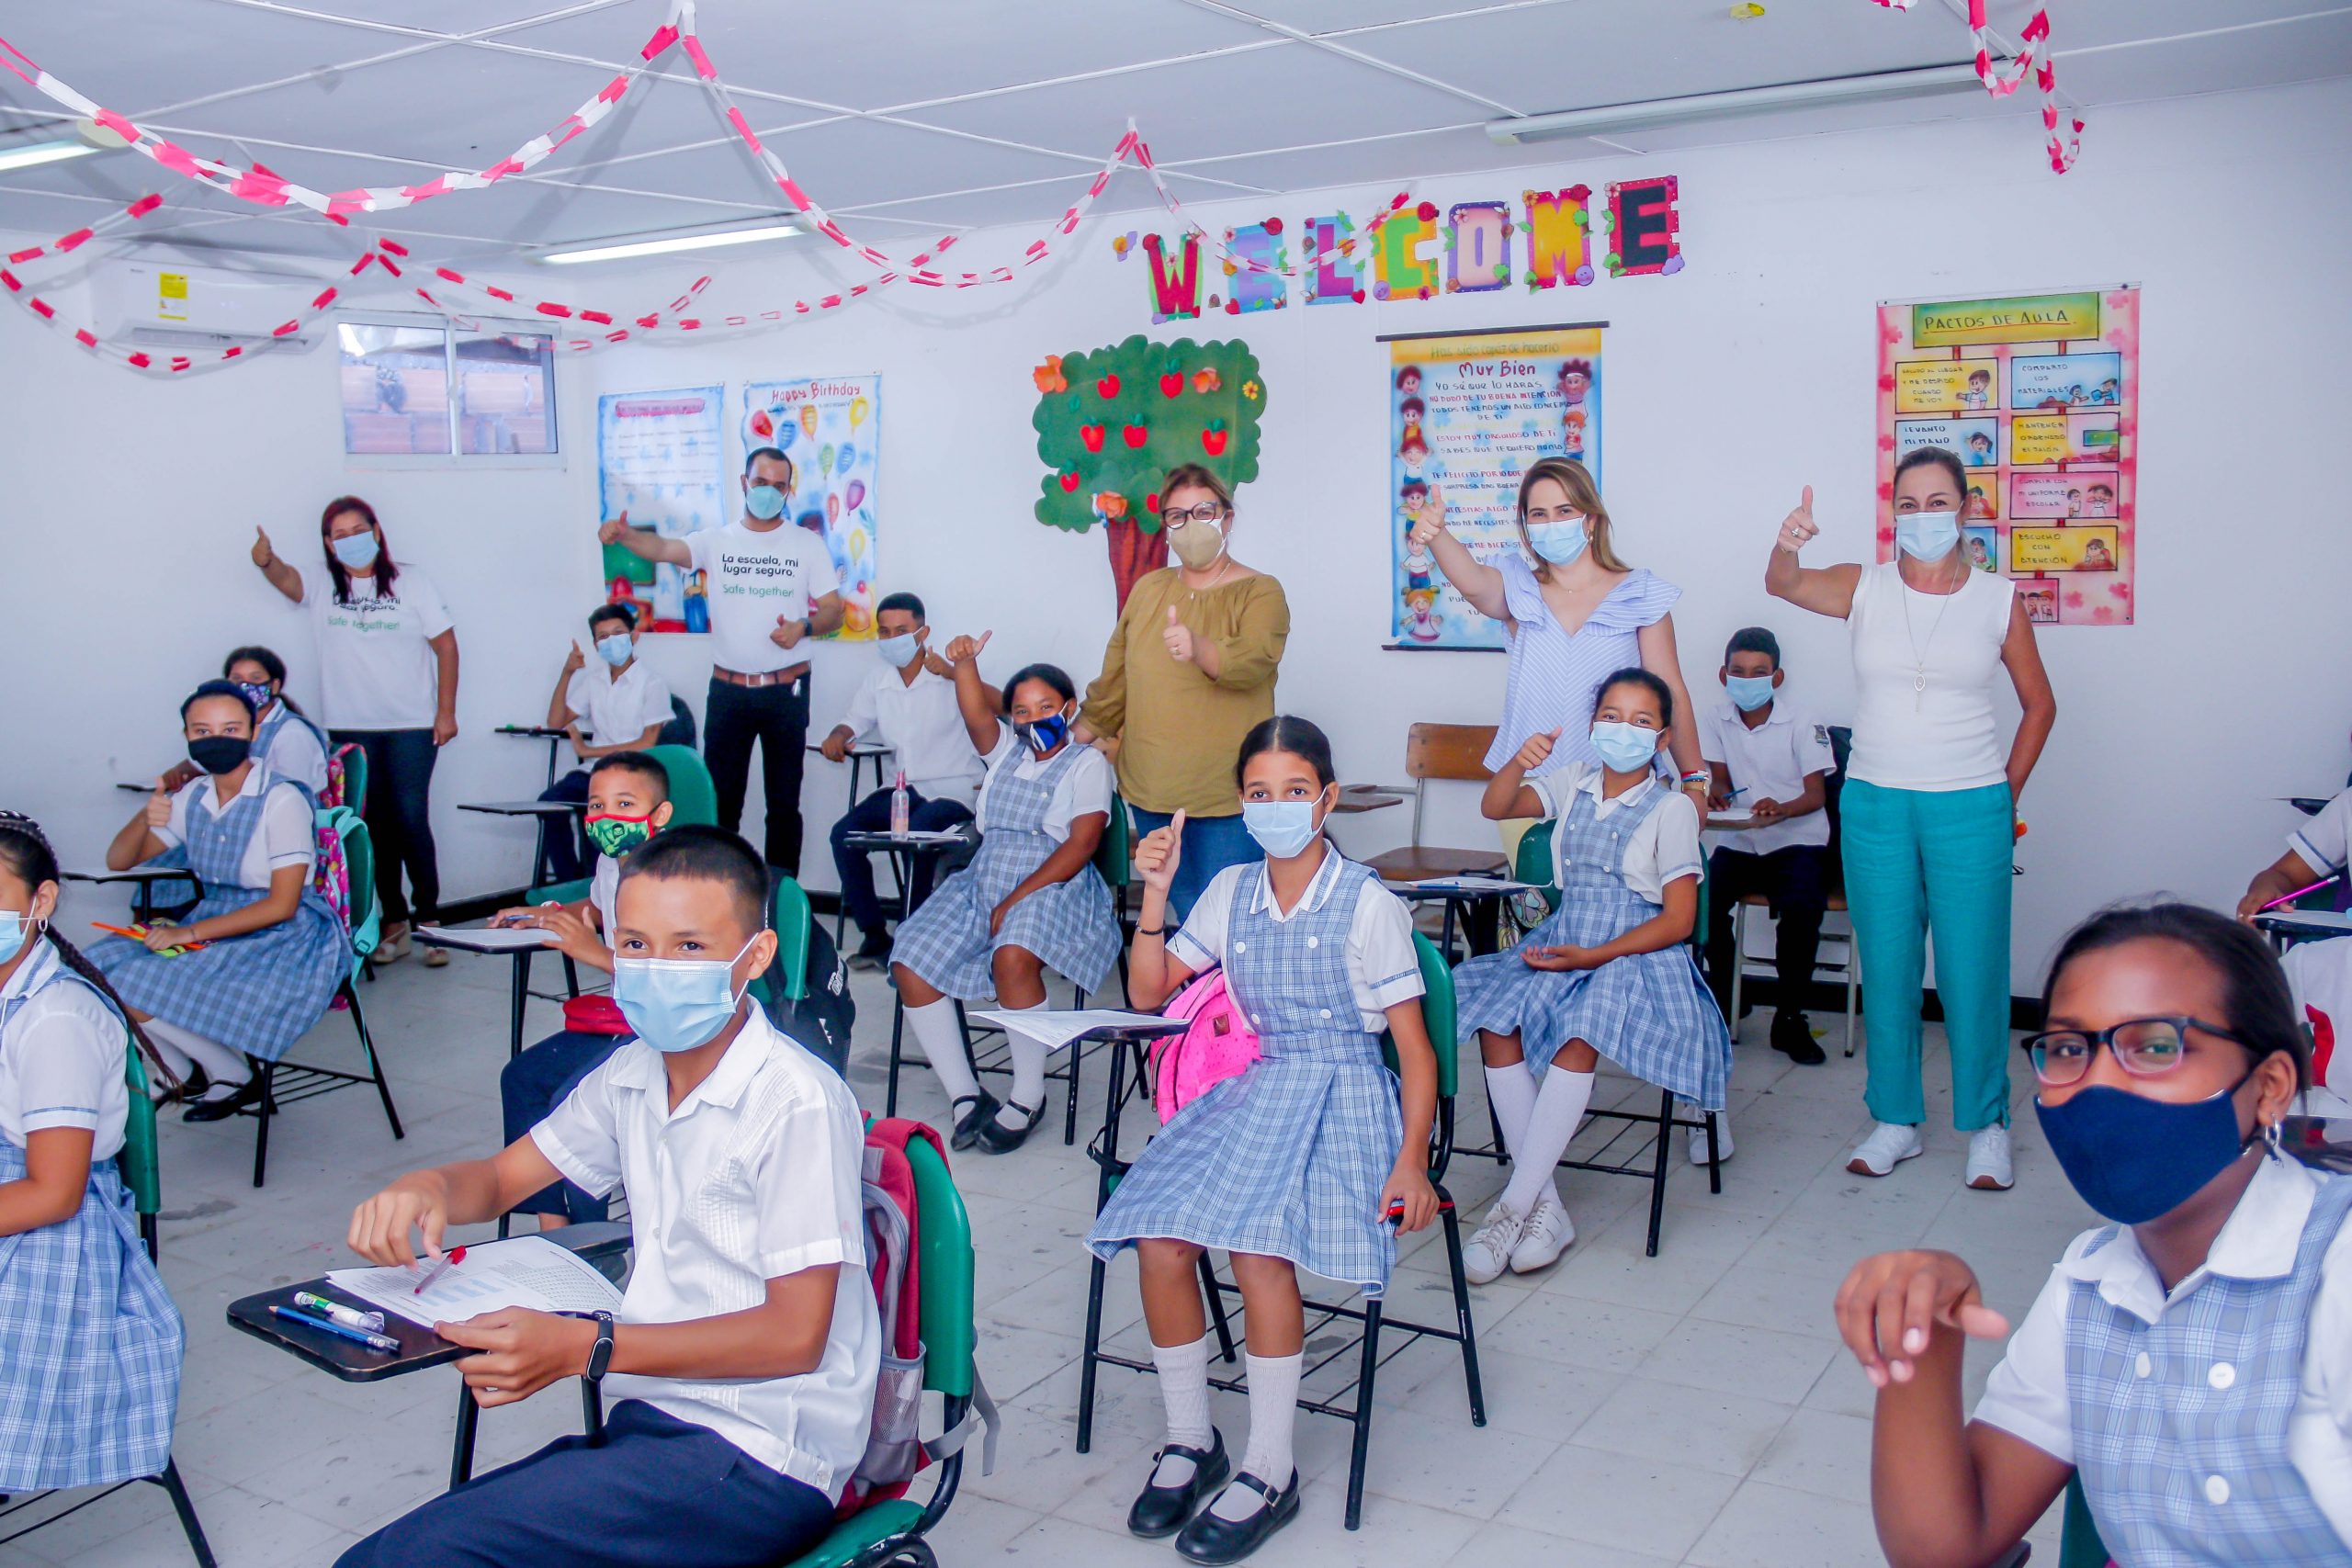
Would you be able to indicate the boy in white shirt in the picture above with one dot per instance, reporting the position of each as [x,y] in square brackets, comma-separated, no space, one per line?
[615,705]
[909,702]
[2317,850]
[1773,763]
[741,1367]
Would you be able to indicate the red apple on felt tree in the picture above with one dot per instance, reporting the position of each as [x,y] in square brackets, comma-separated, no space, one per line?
[1213,439]
[1108,385]
[1136,434]
[1070,483]
[1093,435]
[1171,382]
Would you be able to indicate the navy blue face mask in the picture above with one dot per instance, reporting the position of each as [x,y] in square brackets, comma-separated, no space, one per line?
[2134,1158]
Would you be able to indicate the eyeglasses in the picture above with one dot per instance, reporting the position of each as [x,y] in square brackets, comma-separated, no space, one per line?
[1177,516]
[2144,1047]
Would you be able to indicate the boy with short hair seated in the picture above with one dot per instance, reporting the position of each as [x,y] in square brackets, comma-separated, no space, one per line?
[741,1370]
[1774,762]
[611,704]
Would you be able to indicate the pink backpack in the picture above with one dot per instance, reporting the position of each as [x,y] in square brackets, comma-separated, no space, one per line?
[1218,1046]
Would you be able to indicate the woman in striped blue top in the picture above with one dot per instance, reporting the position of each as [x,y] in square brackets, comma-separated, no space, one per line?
[1574,612]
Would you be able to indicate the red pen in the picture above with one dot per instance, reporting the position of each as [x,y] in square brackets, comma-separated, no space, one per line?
[449,1260]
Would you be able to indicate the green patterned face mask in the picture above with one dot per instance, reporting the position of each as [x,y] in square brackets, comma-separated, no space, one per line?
[615,836]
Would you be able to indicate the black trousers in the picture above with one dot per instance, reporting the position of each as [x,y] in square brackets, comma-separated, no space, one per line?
[1796,881]
[398,814]
[567,858]
[777,717]
[872,814]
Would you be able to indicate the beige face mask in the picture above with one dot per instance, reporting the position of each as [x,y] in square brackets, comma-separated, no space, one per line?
[1198,544]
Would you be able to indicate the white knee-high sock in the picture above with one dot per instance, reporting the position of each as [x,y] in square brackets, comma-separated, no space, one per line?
[1184,1390]
[221,1064]
[1559,1105]
[1512,1091]
[1273,1411]
[1028,1075]
[943,1046]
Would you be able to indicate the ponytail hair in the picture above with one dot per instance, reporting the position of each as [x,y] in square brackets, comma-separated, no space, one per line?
[25,851]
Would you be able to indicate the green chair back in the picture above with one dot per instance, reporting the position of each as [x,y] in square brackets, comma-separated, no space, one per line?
[2079,1543]
[788,979]
[142,1171]
[1533,861]
[948,1334]
[1113,855]
[561,892]
[354,778]
[359,862]
[693,797]
[1437,1014]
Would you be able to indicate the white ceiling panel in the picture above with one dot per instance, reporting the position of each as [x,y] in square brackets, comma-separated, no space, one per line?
[850,162]
[1337,18]
[132,55]
[474,16]
[2300,50]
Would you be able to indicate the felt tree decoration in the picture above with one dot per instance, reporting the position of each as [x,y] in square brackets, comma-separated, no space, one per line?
[1131,412]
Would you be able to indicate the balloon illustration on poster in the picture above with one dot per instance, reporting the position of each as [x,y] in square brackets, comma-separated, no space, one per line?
[835,484]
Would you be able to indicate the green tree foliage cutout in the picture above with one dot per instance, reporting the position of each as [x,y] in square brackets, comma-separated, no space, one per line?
[1111,421]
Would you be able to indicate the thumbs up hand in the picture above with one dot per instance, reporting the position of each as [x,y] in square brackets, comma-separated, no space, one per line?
[1179,638]
[1157,856]
[1798,526]
[263,553]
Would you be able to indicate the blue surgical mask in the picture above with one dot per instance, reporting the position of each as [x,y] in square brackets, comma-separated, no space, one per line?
[1926,535]
[1748,693]
[676,1004]
[14,930]
[356,552]
[764,502]
[1628,748]
[1042,735]
[1558,542]
[2134,1158]
[1283,827]
[897,652]
[617,649]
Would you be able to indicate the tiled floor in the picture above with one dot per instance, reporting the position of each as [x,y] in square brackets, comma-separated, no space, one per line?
[1693,1408]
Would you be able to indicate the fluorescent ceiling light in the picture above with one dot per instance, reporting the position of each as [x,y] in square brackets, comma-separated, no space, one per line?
[1655,114]
[32,155]
[669,243]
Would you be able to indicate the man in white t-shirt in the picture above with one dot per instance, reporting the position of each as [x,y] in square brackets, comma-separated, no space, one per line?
[770,585]
[614,703]
[909,701]
[1770,765]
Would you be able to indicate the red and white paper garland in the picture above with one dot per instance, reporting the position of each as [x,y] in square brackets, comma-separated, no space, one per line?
[2034,57]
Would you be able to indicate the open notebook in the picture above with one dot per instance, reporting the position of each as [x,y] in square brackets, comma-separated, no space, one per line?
[525,1271]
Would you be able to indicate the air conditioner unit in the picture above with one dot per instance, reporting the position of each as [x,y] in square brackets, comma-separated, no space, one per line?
[173,304]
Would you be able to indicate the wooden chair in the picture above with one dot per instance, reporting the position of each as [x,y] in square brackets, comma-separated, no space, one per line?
[1443,751]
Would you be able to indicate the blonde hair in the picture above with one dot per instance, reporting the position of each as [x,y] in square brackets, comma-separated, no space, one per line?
[1584,496]
[1199,477]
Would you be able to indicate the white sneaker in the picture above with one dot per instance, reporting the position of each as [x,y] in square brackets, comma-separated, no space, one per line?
[1489,1252]
[1696,1138]
[1889,1145]
[1549,1232]
[1989,1159]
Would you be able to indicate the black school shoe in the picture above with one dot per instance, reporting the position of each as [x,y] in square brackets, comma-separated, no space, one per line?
[1792,1037]
[994,1137]
[874,953]
[1212,1540]
[968,1126]
[221,1106]
[1160,1511]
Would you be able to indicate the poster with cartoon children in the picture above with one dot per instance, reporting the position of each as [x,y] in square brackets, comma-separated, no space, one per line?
[2037,397]
[1468,412]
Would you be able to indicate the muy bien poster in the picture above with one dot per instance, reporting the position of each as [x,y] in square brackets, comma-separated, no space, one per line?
[1467,413]
[2038,396]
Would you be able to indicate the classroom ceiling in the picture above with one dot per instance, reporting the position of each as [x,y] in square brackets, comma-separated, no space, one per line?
[911,118]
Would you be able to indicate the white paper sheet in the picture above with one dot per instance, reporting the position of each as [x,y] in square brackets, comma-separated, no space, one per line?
[1728,815]
[484,939]
[1055,1029]
[525,1271]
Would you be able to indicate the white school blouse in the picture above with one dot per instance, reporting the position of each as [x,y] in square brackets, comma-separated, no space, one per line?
[376,664]
[753,577]
[61,1058]
[613,709]
[2026,1395]
[288,835]
[294,753]
[2321,841]
[752,1178]
[1383,968]
[1941,736]
[1085,784]
[1664,848]
[920,720]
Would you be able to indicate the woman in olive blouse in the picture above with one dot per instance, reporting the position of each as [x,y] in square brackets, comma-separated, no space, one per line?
[1190,668]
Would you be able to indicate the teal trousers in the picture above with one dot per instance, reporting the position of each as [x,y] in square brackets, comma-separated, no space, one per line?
[1917,859]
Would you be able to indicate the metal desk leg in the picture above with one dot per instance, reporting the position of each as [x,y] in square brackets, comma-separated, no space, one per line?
[519,998]
[554,750]
[461,1462]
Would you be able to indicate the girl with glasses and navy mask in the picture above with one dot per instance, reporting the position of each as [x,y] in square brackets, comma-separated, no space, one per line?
[1030,900]
[2191,1359]
[260,957]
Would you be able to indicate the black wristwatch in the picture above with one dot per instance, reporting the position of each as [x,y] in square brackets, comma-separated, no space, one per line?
[600,1355]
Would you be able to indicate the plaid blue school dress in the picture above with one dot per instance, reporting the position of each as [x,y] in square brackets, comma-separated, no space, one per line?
[2186,1463]
[276,724]
[1068,924]
[1649,1012]
[1287,1158]
[256,993]
[90,1343]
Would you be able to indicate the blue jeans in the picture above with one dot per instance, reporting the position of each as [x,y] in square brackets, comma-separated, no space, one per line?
[531,1086]
[1209,845]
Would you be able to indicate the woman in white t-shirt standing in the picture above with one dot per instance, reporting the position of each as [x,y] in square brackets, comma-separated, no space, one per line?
[388,666]
[1929,807]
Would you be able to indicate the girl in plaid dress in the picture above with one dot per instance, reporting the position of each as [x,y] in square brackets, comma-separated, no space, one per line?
[2190,1362]
[1610,974]
[1030,900]
[1302,1161]
[273,953]
[89,1342]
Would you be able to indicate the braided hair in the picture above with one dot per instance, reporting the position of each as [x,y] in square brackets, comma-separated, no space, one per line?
[25,851]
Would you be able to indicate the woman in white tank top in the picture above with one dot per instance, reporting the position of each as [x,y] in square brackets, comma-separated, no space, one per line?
[1929,806]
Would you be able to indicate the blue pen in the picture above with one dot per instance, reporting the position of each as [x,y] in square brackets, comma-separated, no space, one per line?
[360,1337]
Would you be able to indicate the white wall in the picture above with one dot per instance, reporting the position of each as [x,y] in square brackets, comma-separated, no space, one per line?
[1730,386]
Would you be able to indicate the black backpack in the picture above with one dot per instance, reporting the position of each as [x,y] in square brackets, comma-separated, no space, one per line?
[821,1019]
